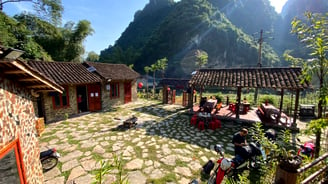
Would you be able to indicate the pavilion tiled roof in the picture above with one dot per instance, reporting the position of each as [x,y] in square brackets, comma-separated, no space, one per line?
[276,78]
[65,73]
[114,71]
[177,83]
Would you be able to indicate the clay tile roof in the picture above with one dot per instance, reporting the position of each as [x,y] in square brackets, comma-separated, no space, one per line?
[65,72]
[178,83]
[114,71]
[27,76]
[286,78]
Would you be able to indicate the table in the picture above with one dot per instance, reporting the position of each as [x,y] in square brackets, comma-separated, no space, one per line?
[245,106]
[269,110]
[307,110]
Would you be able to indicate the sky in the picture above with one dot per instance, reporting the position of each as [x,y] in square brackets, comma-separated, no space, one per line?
[109,18]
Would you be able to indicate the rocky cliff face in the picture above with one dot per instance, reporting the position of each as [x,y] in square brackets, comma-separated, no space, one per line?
[228,31]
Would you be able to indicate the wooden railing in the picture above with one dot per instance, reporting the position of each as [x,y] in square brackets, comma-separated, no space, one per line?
[312,164]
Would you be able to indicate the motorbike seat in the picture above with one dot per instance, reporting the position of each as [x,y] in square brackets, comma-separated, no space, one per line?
[238,160]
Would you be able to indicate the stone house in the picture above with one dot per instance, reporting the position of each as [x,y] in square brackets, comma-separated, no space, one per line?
[120,83]
[87,87]
[19,147]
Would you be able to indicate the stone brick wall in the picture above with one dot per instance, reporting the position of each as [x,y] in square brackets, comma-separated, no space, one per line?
[60,113]
[107,102]
[134,90]
[16,106]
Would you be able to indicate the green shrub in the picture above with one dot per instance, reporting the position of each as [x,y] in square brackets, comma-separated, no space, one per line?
[272,99]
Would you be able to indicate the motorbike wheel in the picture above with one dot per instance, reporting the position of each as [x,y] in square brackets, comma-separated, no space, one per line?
[212,178]
[49,163]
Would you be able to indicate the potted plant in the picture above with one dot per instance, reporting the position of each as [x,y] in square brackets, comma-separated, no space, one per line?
[288,161]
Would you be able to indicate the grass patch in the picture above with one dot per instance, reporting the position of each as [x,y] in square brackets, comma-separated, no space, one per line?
[97,157]
[167,178]
[47,139]
[180,163]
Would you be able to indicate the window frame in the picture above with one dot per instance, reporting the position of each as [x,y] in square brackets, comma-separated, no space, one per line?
[113,86]
[61,99]
[15,145]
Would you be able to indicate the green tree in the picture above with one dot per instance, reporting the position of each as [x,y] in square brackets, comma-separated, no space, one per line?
[49,10]
[63,44]
[201,58]
[16,35]
[92,56]
[313,32]
[162,65]
[147,70]
[76,37]
[153,68]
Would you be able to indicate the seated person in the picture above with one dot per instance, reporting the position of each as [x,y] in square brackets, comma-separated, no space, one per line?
[245,100]
[202,101]
[239,140]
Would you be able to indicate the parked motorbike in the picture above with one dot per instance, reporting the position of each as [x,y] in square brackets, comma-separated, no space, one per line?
[307,149]
[233,167]
[49,159]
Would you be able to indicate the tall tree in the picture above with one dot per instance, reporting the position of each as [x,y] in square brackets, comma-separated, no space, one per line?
[162,65]
[201,58]
[49,10]
[92,56]
[77,35]
[154,68]
[63,44]
[147,70]
[313,32]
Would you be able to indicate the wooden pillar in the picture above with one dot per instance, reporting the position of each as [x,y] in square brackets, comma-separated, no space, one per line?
[201,92]
[238,102]
[165,94]
[281,100]
[296,107]
[191,98]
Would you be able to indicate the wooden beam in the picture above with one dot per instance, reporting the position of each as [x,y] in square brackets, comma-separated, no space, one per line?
[37,86]
[296,107]
[165,94]
[190,98]
[281,100]
[14,72]
[238,102]
[27,80]
[23,68]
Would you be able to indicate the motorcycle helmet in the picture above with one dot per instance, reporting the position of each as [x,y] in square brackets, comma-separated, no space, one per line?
[225,164]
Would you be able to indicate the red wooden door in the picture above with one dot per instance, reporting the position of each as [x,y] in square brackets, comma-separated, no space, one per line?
[127,92]
[94,97]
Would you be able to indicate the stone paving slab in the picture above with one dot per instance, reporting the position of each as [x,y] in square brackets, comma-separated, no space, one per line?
[162,143]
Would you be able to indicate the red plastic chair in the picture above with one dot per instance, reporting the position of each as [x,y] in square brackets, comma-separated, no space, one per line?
[217,124]
[212,125]
[201,125]
[193,121]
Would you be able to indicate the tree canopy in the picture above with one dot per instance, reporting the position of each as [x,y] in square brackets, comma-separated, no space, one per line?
[312,32]
[43,39]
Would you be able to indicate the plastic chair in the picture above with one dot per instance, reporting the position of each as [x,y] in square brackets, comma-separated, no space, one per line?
[193,121]
[212,125]
[201,125]
[217,123]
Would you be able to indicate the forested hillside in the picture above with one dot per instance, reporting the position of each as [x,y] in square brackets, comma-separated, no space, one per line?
[226,30]
[41,37]
[192,25]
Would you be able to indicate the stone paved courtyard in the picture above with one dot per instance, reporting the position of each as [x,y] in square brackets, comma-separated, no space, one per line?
[163,148]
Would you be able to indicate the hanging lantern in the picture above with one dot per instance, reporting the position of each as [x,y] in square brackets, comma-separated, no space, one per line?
[140,85]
